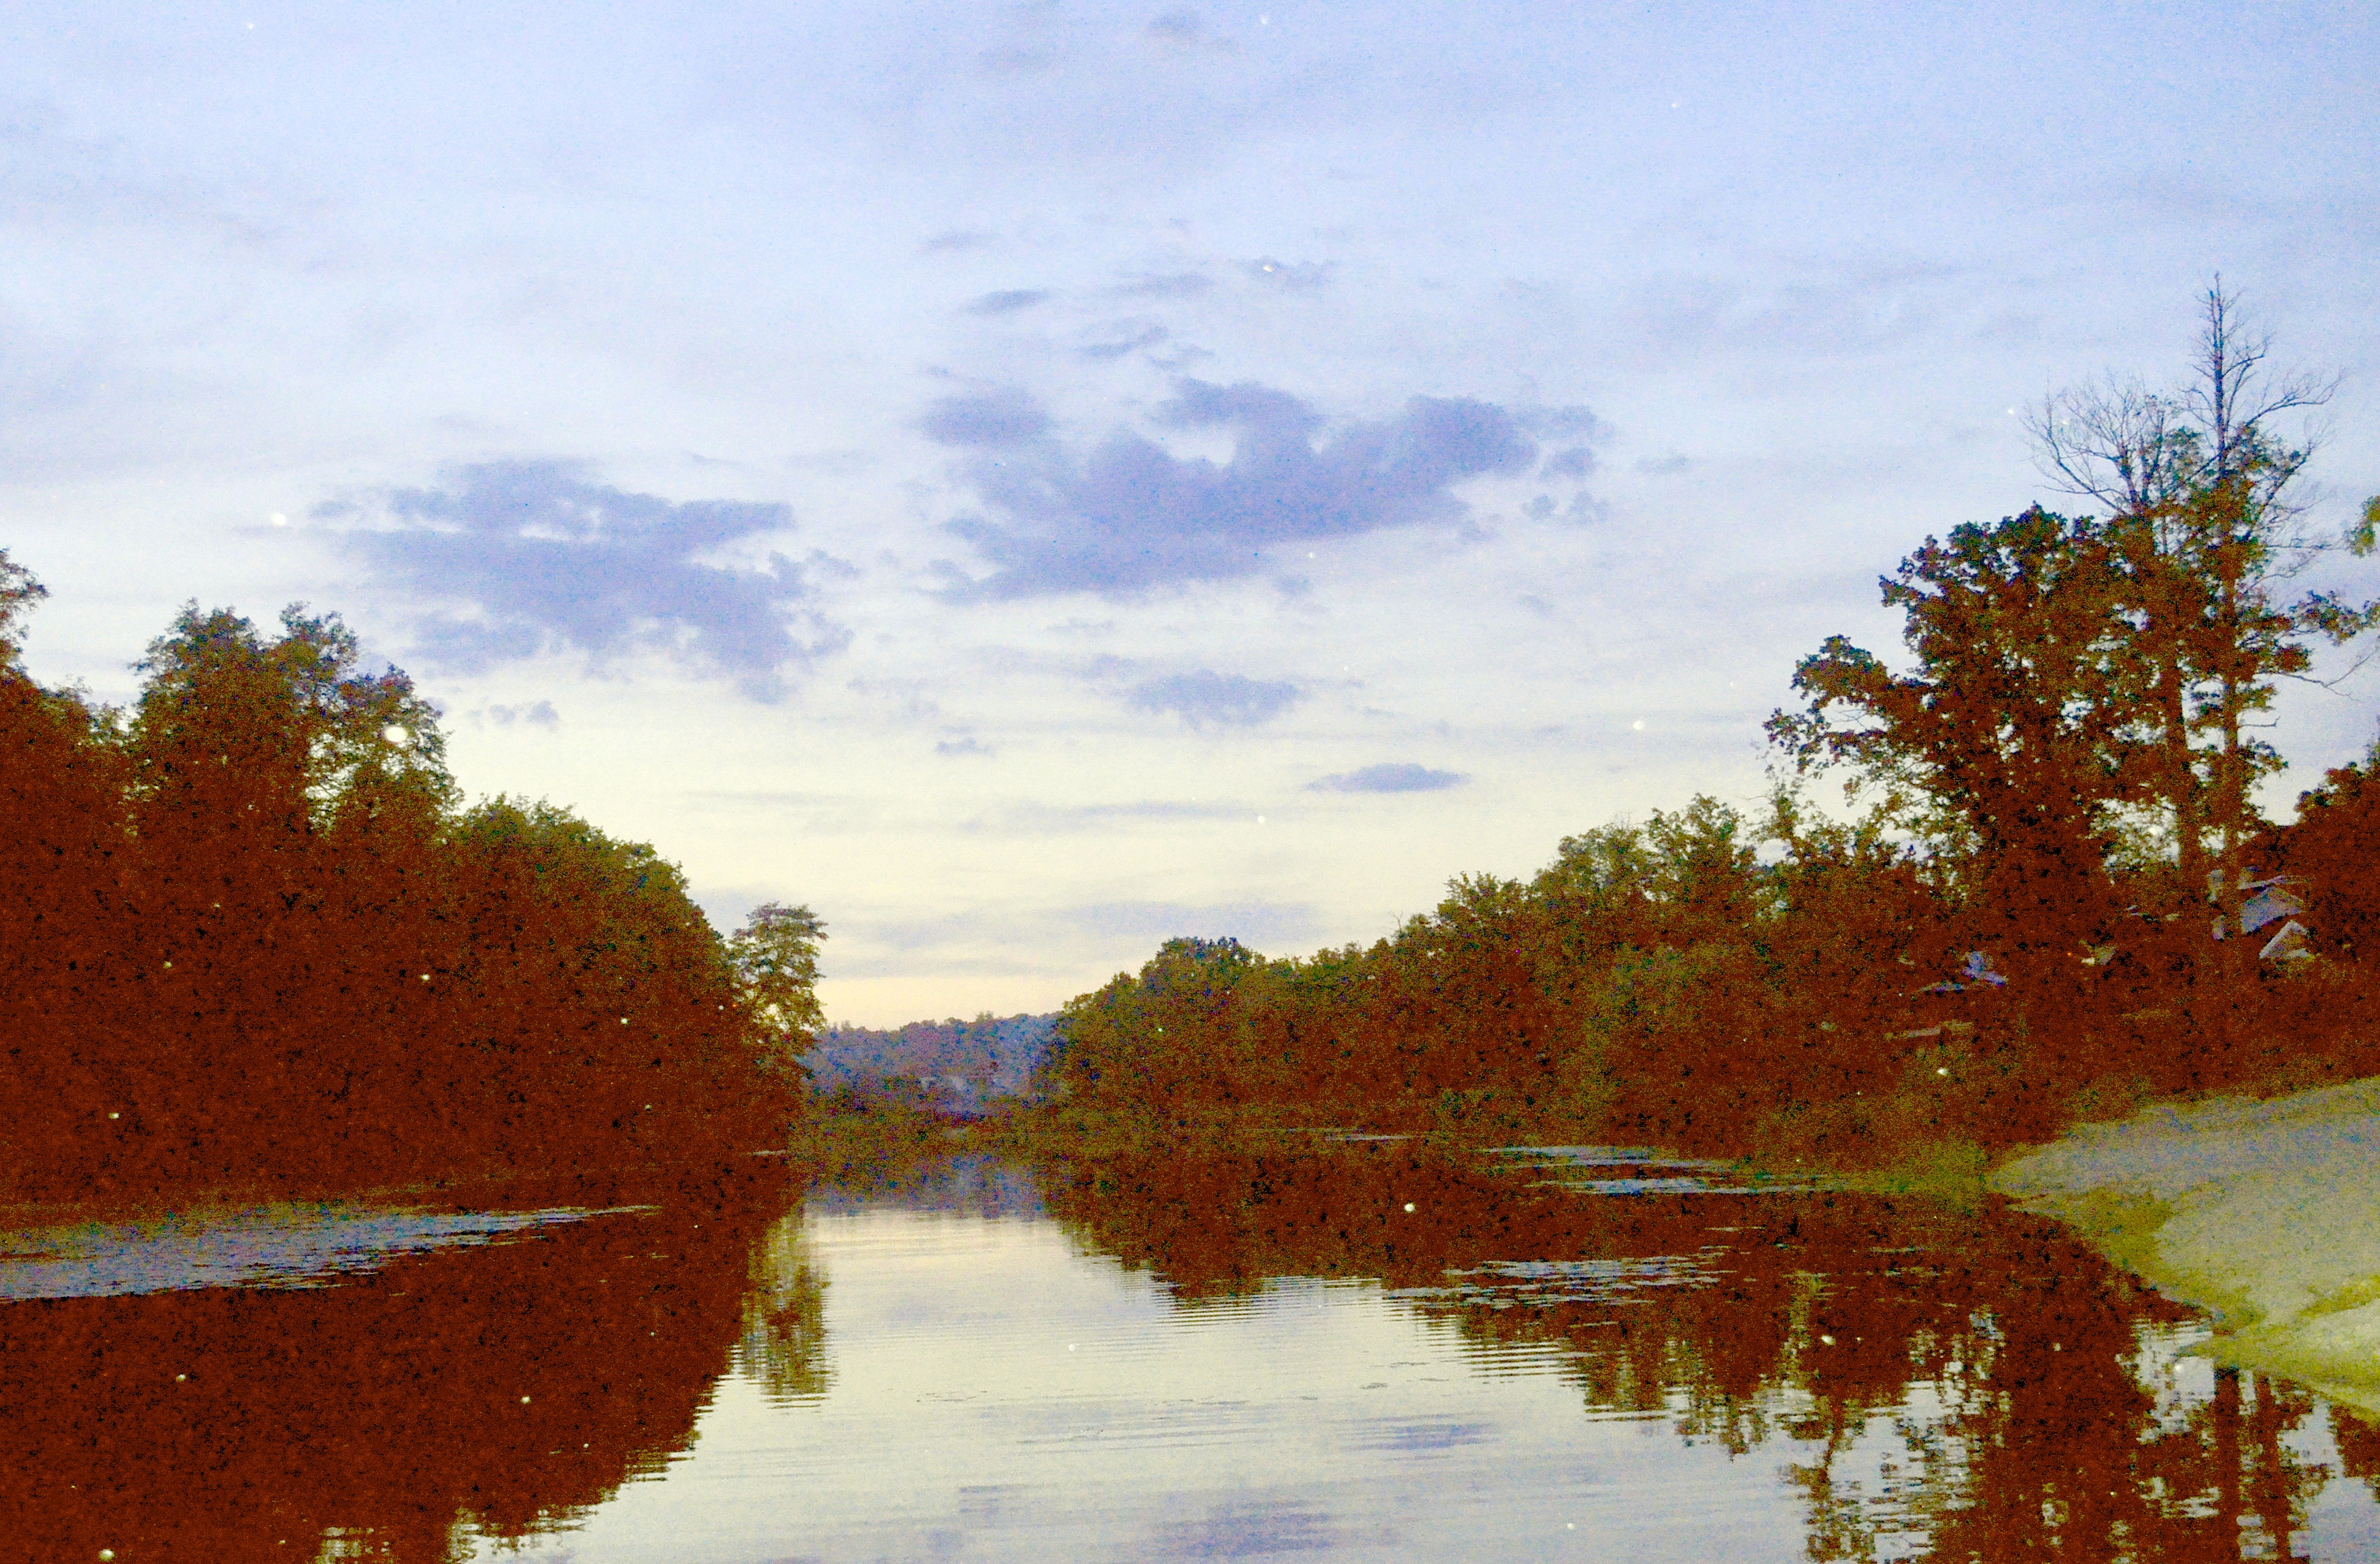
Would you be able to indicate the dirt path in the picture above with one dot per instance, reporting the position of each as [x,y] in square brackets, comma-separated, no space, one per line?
[2267,1213]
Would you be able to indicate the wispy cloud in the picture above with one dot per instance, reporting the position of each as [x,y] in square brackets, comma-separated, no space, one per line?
[1574,461]
[1401,776]
[1127,516]
[1223,700]
[539,714]
[1563,423]
[998,937]
[1184,29]
[1046,819]
[511,559]
[1264,925]
[1297,277]
[1166,284]
[1148,336]
[1008,301]
[1002,417]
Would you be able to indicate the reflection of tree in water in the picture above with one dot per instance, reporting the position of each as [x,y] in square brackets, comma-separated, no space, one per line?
[2359,1447]
[1970,1387]
[783,1343]
[503,1388]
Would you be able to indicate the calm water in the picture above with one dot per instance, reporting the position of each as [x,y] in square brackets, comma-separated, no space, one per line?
[1357,1351]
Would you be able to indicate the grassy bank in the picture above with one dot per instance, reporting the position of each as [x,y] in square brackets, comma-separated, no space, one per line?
[2265,1211]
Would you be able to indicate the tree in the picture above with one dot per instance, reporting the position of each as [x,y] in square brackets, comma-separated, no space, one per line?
[603,1011]
[220,697]
[2203,524]
[1155,1045]
[19,592]
[2331,845]
[2018,719]
[776,956]
[63,924]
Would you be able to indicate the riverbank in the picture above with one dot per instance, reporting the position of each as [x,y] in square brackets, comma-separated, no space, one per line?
[2266,1212]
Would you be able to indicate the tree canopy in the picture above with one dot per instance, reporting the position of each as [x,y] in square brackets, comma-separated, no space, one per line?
[258,937]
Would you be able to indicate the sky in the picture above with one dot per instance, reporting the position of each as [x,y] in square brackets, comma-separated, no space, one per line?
[1029,482]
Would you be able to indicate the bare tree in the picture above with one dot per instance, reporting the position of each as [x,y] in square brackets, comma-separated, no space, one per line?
[2198,486]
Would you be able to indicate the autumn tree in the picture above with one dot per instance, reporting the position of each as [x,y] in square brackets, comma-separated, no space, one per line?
[2204,528]
[2331,844]
[63,919]
[253,938]
[2018,717]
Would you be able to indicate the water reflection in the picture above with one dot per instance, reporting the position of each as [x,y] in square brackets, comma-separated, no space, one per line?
[1365,1349]
[499,1386]
[784,1342]
[1958,1386]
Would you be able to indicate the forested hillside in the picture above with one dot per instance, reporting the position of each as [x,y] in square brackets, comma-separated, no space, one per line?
[963,1064]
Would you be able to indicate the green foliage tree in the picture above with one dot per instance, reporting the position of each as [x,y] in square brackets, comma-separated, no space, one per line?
[775,957]
[775,960]
[19,591]
[1153,1046]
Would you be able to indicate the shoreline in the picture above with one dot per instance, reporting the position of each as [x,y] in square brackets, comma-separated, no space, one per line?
[2264,1212]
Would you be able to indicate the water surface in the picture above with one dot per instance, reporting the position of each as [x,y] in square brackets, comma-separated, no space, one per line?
[1357,1351]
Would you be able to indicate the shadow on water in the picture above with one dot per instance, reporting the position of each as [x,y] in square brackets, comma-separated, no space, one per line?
[1957,1385]
[369,1406]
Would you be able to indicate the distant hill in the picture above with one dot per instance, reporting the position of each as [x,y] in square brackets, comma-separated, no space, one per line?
[959,1061]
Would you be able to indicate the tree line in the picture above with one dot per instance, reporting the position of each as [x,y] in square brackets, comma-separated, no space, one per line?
[255,935]
[2020,911]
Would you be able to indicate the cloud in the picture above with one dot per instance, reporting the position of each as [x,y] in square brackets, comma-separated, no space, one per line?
[540,715]
[1147,337]
[1050,819]
[1127,516]
[993,939]
[1582,510]
[1228,700]
[1008,301]
[523,557]
[1576,461]
[1003,417]
[970,745]
[1170,284]
[958,240]
[1302,277]
[1182,28]
[1012,61]
[1563,423]
[1401,776]
[1260,924]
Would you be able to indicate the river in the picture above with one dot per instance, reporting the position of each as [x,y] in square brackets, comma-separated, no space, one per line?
[1329,1349]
